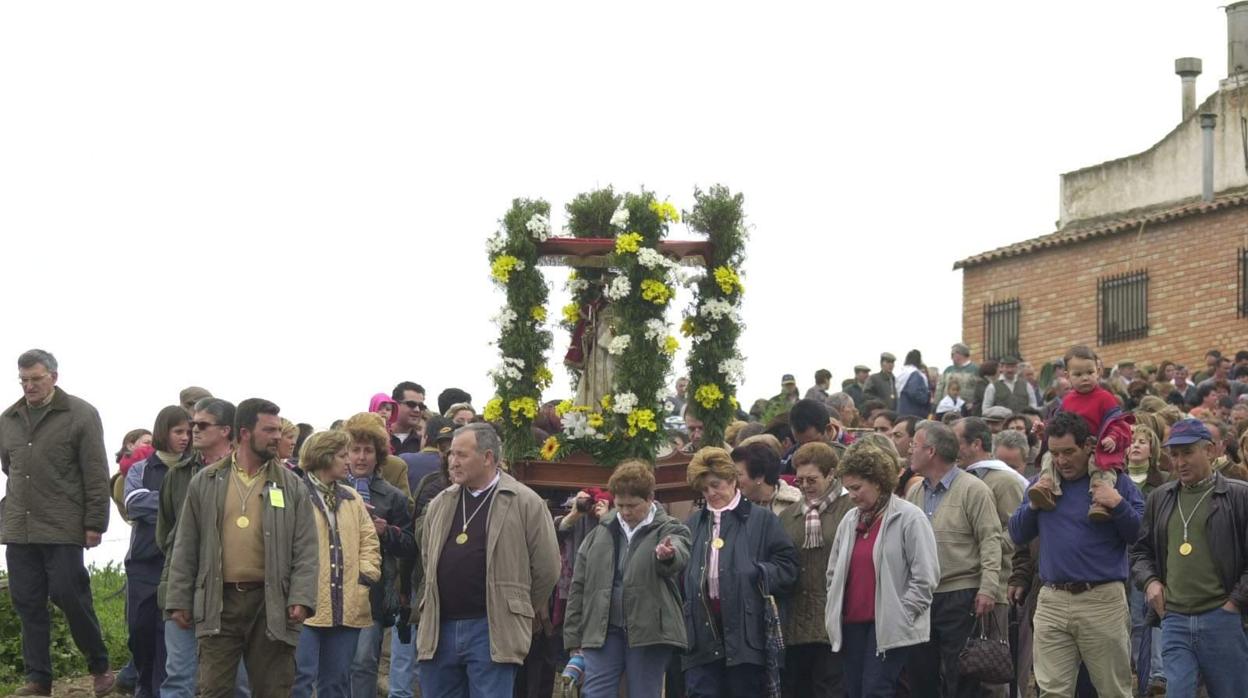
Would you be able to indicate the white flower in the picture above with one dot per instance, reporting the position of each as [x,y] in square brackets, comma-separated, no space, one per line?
[733,370]
[620,218]
[495,244]
[619,288]
[507,372]
[539,227]
[650,258]
[623,403]
[660,395]
[505,318]
[619,344]
[656,329]
[576,425]
[716,309]
[576,285]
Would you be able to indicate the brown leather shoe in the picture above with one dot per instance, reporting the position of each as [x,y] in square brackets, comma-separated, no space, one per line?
[103,683]
[1098,514]
[1042,496]
[34,689]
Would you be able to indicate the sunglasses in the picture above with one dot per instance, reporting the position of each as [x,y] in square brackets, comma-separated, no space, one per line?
[413,405]
[202,426]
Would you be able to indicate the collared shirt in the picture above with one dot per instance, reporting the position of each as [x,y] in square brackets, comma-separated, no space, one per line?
[630,530]
[933,496]
[477,493]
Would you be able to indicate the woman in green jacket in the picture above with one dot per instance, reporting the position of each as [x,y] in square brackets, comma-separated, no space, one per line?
[624,609]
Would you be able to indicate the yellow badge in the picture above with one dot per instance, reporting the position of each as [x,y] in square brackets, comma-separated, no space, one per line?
[276,498]
[1185,549]
[718,543]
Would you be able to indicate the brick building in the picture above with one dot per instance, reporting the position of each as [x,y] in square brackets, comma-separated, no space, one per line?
[1150,258]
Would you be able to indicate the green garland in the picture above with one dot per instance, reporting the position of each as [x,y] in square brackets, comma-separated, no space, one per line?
[714,321]
[523,343]
[639,285]
[590,215]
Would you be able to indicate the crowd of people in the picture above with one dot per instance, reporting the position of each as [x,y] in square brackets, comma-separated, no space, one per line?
[1089,519]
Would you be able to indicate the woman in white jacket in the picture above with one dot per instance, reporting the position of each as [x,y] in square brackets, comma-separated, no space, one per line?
[882,571]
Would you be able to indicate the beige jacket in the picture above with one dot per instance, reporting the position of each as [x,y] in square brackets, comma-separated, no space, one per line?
[521,567]
[361,563]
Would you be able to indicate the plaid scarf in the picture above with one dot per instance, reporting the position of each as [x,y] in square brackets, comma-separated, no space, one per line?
[866,519]
[814,524]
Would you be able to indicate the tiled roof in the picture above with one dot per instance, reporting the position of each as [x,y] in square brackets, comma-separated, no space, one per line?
[1101,228]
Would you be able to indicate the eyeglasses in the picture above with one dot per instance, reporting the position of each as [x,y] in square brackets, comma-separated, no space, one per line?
[800,481]
[413,405]
[32,380]
[203,425]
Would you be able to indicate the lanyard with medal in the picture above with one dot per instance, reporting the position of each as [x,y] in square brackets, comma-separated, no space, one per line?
[242,521]
[463,512]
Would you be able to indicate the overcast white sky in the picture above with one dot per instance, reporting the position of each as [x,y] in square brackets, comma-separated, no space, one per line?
[290,200]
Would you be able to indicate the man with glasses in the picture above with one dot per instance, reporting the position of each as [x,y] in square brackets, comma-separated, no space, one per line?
[56,504]
[405,436]
[212,438]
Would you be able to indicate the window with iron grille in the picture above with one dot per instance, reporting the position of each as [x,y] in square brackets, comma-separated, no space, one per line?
[1122,307]
[1001,329]
[1243,283]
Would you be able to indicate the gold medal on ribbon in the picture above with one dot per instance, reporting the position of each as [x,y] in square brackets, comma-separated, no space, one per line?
[1185,549]
[242,522]
[717,543]
[461,538]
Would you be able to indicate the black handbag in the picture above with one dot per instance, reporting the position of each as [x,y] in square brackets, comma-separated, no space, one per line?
[985,659]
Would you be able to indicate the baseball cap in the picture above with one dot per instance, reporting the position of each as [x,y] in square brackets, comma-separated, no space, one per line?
[439,428]
[1188,431]
[787,379]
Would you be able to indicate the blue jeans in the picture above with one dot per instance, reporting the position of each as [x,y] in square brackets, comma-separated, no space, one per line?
[461,665]
[364,663]
[1135,599]
[867,674]
[182,665]
[644,667]
[323,662]
[1211,644]
[402,664]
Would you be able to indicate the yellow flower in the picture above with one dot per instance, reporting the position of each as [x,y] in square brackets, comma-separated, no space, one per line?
[563,408]
[641,419]
[572,275]
[728,280]
[595,420]
[670,345]
[708,395]
[493,410]
[522,408]
[655,292]
[543,377]
[502,267]
[571,313]
[605,401]
[538,313]
[665,211]
[550,448]
[733,401]
[687,327]
[628,242]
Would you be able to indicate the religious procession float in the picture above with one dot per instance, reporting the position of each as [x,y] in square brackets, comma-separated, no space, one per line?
[623,275]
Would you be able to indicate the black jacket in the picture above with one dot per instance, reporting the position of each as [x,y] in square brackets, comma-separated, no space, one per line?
[756,551]
[1225,528]
[398,543]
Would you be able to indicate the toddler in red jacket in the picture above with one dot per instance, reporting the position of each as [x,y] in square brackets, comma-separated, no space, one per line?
[1100,409]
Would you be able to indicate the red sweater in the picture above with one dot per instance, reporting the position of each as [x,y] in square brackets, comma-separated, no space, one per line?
[860,584]
[1100,409]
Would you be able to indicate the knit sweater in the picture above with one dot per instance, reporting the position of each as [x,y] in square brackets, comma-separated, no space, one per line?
[968,536]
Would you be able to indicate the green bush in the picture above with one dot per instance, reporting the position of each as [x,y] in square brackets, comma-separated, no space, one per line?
[107,586]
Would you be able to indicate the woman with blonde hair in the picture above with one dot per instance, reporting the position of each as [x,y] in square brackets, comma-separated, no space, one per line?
[624,589]
[350,560]
[739,552]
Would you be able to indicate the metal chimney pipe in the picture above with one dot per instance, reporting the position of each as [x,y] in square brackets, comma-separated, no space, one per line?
[1207,122]
[1188,69]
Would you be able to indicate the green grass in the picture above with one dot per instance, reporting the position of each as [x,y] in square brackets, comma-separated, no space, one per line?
[110,607]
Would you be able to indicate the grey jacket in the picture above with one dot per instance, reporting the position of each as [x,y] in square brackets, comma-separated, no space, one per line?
[906,574]
[291,551]
[57,473]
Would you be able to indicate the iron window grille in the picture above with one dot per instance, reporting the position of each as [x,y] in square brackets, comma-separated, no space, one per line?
[1122,307]
[1001,329]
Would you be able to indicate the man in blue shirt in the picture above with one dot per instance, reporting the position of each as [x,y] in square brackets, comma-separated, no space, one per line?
[1081,614]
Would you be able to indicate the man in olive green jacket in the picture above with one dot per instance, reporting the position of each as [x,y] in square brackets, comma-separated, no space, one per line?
[55,505]
[491,562]
[277,527]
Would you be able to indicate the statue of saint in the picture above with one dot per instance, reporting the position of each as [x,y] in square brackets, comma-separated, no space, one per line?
[588,352]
